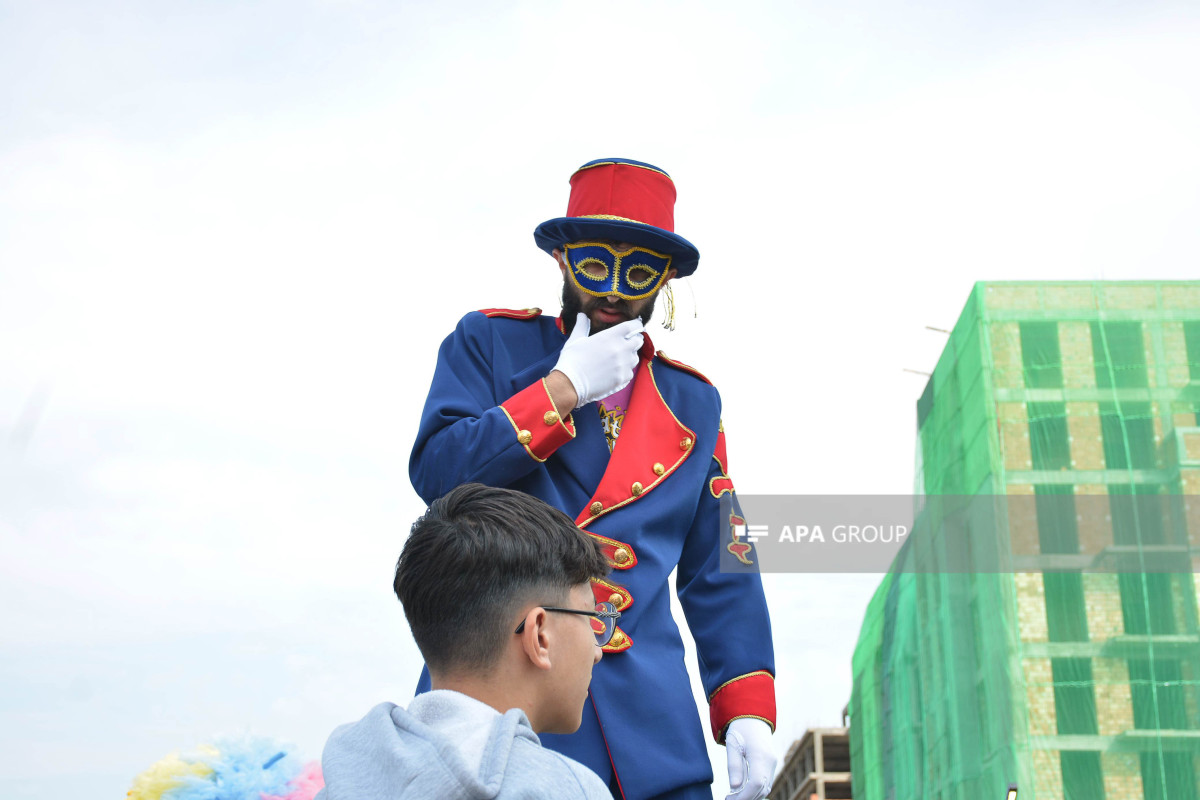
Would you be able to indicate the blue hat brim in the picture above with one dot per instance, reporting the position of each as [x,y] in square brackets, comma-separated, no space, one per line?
[554,233]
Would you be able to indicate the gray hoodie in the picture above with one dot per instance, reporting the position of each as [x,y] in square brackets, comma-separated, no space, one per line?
[448,745]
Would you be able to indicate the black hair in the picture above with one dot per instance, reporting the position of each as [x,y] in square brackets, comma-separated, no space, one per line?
[473,558]
[572,304]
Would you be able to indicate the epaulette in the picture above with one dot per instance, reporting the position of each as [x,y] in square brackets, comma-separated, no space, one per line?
[511,313]
[682,366]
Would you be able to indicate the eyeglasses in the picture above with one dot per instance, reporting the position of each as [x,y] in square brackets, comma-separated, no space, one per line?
[604,620]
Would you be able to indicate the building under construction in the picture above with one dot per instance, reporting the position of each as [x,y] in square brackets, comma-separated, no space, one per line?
[1039,627]
[816,767]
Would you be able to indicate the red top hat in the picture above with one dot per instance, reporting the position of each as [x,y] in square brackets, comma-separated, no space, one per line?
[625,201]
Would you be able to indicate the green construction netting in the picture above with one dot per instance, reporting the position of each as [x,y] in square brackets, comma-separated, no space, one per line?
[1058,658]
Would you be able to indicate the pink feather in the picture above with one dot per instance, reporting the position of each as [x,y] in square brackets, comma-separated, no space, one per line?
[304,786]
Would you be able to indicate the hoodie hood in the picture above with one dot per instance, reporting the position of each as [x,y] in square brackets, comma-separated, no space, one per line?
[445,745]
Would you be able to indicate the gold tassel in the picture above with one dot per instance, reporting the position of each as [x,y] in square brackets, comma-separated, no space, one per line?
[669,321]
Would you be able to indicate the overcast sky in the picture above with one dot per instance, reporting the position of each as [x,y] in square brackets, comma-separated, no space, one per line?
[232,236]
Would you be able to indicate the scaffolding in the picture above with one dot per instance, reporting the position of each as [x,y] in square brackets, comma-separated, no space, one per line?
[1040,625]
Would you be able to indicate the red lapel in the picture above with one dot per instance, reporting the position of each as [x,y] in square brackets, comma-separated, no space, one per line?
[652,441]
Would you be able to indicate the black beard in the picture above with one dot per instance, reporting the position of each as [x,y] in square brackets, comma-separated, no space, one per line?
[572,305]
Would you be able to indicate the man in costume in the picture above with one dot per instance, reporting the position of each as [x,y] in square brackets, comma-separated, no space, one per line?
[580,411]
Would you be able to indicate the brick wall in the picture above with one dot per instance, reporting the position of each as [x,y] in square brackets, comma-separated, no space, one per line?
[1181,297]
[1175,353]
[1087,442]
[1031,607]
[1102,602]
[1014,436]
[1130,298]
[1122,775]
[1008,371]
[1022,521]
[1047,774]
[1039,695]
[1114,701]
[1094,525]
[1012,297]
[1075,345]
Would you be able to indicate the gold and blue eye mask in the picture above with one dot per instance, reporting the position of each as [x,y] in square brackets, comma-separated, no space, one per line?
[602,270]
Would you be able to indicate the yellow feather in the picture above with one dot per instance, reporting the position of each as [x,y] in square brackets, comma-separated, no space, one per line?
[164,775]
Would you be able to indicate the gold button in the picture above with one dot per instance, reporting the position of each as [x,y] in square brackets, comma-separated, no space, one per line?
[659,469]
[596,507]
[636,489]
[621,556]
[550,418]
[524,437]
[615,599]
[685,443]
[618,639]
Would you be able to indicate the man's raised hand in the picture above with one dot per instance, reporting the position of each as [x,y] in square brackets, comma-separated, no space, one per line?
[602,364]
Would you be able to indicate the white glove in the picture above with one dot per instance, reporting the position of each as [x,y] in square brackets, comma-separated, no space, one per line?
[602,364]
[751,760]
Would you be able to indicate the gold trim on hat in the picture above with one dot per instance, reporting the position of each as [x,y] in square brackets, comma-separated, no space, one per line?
[612,216]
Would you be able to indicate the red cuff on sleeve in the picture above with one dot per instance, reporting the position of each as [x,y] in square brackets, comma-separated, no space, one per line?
[536,422]
[751,695]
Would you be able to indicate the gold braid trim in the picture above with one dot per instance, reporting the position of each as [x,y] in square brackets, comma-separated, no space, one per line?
[614,216]
[740,678]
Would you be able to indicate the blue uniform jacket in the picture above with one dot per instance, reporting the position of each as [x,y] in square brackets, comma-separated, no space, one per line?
[653,505]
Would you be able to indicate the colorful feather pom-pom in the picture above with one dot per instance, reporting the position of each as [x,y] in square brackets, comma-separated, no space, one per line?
[304,786]
[241,769]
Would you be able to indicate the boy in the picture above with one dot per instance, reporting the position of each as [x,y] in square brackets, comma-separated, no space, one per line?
[496,588]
